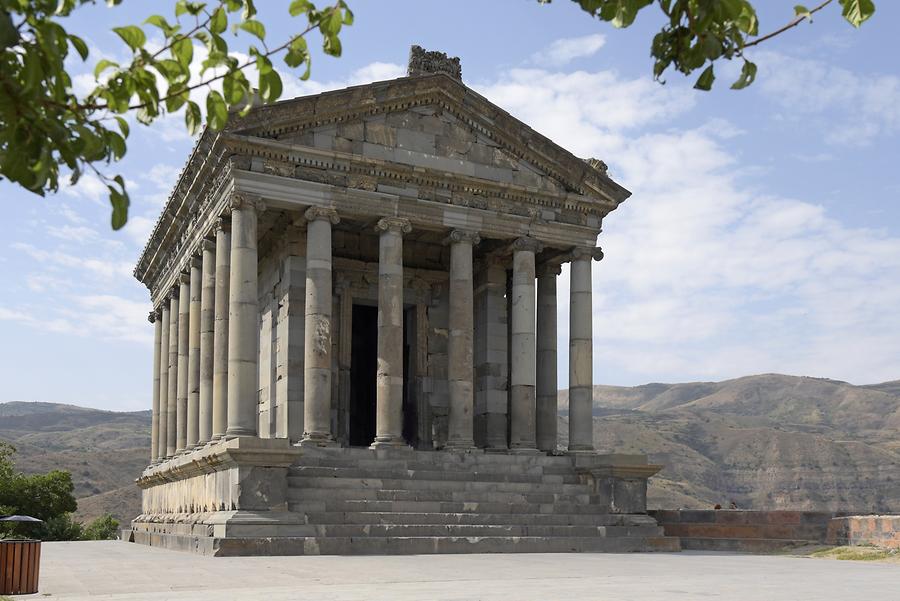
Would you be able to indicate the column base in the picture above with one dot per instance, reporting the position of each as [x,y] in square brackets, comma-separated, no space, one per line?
[238,432]
[525,451]
[316,440]
[460,446]
[388,442]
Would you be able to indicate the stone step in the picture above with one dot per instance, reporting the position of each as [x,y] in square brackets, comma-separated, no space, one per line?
[480,530]
[742,545]
[536,519]
[306,482]
[298,494]
[434,474]
[441,544]
[343,505]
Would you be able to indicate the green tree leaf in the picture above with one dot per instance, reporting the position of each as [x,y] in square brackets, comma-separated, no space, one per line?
[255,28]
[706,79]
[192,117]
[132,35]
[219,21]
[79,46]
[857,12]
[216,111]
[748,75]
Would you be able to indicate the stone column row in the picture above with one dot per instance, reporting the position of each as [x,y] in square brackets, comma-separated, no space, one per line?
[205,342]
[533,354]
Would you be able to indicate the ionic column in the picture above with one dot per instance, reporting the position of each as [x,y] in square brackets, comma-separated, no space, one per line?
[163,382]
[581,383]
[172,398]
[522,349]
[318,328]
[207,340]
[220,329]
[460,366]
[546,357]
[184,325]
[389,374]
[243,326]
[154,318]
[193,406]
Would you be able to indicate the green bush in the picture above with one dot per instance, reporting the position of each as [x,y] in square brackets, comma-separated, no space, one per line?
[106,527]
[61,527]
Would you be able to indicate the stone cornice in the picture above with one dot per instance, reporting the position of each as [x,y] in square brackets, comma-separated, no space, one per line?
[452,96]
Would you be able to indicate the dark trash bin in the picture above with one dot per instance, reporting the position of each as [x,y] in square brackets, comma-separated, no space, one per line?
[20,562]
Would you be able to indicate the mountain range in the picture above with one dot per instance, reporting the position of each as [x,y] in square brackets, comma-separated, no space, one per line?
[764,442]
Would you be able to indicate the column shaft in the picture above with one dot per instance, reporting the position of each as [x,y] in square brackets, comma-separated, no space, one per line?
[318,328]
[546,358]
[184,325]
[389,373]
[163,383]
[172,403]
[243,325]
[460,365]
[193,407]
[154,419]
[220,330]
[522,349]
[581,430]
[207,340]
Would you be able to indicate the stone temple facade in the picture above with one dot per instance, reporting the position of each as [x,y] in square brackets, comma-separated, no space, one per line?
[355,334]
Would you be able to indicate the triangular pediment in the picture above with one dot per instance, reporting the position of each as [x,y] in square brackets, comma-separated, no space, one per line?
[433,122]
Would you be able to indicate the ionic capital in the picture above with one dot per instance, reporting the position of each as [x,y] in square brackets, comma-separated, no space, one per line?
[586,253]
[196,261]
[398,225]
[174,293]
[465,236]
[154,315]
[184,278]
[526,244]
[241,201]
[325,213]
[223,224]
[207,245]
[550,268]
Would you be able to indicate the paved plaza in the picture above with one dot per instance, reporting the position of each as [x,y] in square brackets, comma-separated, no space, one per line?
[115,570]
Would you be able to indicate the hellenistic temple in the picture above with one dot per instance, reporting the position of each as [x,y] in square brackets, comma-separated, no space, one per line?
[355,315]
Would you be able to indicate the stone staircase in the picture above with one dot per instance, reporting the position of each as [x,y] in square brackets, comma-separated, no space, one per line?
[401,501]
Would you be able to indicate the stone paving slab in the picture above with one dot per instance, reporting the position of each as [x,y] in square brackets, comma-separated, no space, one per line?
[119,571]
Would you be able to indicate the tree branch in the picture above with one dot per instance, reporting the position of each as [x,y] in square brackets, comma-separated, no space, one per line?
[799,19]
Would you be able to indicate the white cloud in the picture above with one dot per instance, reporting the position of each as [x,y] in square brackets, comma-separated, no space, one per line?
[564,51]
[104,268]
[707,274]
[856,108]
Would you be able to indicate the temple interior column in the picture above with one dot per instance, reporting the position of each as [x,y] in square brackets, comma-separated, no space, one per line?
[460,370]
[163,382]
[546,401]
[193,407]
[492,356]
[154,318]
[581,430]
[184,325]
[220,329]
[318,328]
[243,325]
[522,347]
[389,372]
[172,400]
[207,337]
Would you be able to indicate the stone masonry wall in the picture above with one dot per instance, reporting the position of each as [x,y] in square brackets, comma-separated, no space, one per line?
[741,524]
[878,530]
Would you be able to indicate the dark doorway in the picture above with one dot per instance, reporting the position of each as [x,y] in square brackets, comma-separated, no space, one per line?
[363,367]
[410,409]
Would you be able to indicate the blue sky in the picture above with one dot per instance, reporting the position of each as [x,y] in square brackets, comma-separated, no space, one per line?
[763,234]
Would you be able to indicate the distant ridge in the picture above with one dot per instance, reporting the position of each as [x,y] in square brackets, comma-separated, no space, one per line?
[769,441]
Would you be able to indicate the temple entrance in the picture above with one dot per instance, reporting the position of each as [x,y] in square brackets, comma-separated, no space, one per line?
[363,366]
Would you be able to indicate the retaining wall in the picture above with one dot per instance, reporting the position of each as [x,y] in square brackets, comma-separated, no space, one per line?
[878,530]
